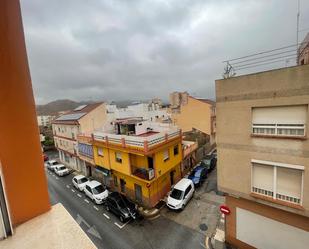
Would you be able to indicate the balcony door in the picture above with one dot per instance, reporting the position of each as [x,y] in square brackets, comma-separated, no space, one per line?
[5,224]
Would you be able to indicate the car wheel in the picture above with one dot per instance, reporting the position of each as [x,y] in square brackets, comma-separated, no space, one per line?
[121,219]
[182,207]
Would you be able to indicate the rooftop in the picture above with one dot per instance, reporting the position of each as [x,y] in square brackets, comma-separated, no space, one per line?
[73,116]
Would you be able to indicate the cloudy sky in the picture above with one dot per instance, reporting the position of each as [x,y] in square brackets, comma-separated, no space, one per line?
[139,49]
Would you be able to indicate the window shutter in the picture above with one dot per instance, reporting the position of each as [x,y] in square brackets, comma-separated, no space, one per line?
[262,177]
[289,182]
[165,155]
[280,115]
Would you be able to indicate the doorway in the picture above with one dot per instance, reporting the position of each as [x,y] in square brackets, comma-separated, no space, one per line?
[172,173]
[150,162]
[138,193]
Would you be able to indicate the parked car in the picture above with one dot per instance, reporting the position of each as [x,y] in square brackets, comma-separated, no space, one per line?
[61,170]
[198,175]
[51,164]
[45,157]
[96,192]
[121,206]
[181,194]
[79,182]
[210,162]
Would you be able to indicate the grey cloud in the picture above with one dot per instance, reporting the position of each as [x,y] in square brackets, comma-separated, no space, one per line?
[121,49]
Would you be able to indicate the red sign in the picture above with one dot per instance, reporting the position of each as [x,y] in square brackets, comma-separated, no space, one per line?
[225,209]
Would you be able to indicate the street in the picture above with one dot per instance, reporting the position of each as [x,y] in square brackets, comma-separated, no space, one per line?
[106,231]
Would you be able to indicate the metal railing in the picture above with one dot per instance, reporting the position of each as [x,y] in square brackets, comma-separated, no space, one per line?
[143,173]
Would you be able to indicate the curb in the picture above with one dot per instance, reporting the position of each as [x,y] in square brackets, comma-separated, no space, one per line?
[208,243]
[149,214]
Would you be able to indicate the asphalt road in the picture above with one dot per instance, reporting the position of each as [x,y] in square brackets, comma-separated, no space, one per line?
[107,232]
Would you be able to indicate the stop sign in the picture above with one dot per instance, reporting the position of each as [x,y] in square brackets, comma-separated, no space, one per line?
[225,209]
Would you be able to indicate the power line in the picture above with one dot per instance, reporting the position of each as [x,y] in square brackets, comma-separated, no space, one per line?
[240,68]
[265,56]
[279,57]
[265,52]
[268,51]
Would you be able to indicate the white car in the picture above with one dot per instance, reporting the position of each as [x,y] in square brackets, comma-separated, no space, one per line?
[181,194]
[79,182]
[61,170]
[51,164]
[96,192]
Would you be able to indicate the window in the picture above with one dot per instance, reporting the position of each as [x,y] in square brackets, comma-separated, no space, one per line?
[100,151]
[166,155]
[280,120]
[277,180]
[115,181]
[118,157]
[176,152]
[188,190]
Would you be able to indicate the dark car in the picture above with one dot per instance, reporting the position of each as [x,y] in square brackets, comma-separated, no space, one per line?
[198,175]
[120,206]
[210,162]
[45,157]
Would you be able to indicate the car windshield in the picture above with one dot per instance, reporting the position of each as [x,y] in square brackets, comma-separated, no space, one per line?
[54,163]
[176,194]
[62,168]
[124,203]
[207,161]
[197,173]
[98,189]
[83,180]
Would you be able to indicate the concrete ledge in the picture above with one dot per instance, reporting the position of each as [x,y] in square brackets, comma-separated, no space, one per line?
[52,230]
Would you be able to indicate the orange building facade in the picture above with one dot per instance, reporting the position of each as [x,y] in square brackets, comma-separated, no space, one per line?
[23,181]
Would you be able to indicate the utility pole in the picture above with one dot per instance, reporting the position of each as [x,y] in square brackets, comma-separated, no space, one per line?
[297,30]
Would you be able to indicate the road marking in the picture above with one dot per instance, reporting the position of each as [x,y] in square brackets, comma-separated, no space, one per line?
[79,195]
[95,208]
[73,190]
[121,226]
[106,216]
[68,186]
[86,200]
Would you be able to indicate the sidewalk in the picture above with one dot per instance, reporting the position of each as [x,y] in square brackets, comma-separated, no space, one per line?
[218,240]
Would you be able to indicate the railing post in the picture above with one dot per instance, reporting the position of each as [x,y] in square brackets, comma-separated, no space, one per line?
[146,145]
[106,139]
[92,137]
[123,142]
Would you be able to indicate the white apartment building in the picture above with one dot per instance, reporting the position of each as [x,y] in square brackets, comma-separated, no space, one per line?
[45,120]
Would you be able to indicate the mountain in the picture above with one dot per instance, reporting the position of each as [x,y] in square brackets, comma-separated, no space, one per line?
[56,106]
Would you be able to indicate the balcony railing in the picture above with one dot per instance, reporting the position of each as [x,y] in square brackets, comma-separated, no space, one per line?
[143,173]
[143,143]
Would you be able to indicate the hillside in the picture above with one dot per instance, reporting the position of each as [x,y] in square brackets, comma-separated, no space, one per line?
[56,106]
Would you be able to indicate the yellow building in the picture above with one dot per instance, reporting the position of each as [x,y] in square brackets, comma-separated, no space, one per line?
[143,165]
[193,113]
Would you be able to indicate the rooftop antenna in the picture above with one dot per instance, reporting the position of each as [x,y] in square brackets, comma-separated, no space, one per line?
[228,71]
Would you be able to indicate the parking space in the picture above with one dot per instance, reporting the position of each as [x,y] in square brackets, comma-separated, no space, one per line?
[202,212]
[85,200]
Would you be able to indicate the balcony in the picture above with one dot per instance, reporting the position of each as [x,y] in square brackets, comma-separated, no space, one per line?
[141,143]
[143,173]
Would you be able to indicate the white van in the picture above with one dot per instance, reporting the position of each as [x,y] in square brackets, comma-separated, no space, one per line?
[180,194]
[96,192]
